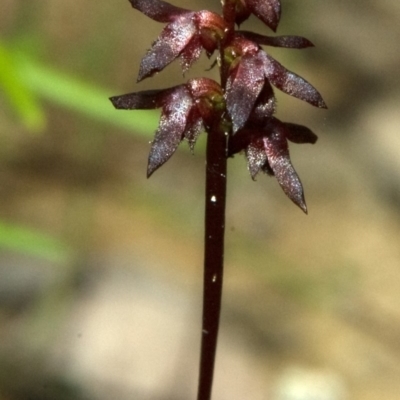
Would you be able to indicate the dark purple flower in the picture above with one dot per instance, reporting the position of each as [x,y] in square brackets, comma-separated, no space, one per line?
[266,147]
[251,69]
[185,36]
[243,105]
[264,140]
[186,111]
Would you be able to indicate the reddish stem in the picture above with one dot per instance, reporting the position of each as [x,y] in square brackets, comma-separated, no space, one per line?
[216,163]
[216,169]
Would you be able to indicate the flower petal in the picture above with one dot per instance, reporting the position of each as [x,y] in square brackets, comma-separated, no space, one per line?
[299,133]
[191,53]
[172,40]
[277,151]
[290,42]
[194,127]
[243,87]
[265,105]
[145,100]
[171,128]
[291,83]
[256,157]
[158,10]
[269,11]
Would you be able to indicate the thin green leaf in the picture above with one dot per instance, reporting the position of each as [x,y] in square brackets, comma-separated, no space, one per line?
[82,97]
[32,243]
[21,98]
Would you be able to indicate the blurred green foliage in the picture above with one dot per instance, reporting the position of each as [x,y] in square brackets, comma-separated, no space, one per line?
[24,83]
[24,80]
[81,97]
[33,243]
[21,98]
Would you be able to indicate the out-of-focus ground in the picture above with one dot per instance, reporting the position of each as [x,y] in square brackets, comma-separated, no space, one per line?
[311,303]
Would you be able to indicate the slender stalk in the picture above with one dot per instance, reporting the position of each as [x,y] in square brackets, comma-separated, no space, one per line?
[216,163]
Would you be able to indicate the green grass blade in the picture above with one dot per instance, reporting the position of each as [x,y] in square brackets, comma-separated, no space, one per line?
[84,98]
[32,243]
[20,97]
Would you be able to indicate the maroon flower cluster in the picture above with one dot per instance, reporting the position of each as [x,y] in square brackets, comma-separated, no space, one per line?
[243,104]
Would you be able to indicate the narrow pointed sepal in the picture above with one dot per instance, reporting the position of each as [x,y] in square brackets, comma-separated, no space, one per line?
[158,10]
[299,133]
[268,11]
[243,87]
[277,151]
[145,100]
[168,46]
[171,128]
[291,84]
[289,42]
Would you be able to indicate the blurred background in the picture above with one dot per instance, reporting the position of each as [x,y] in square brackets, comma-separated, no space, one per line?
[101,269]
